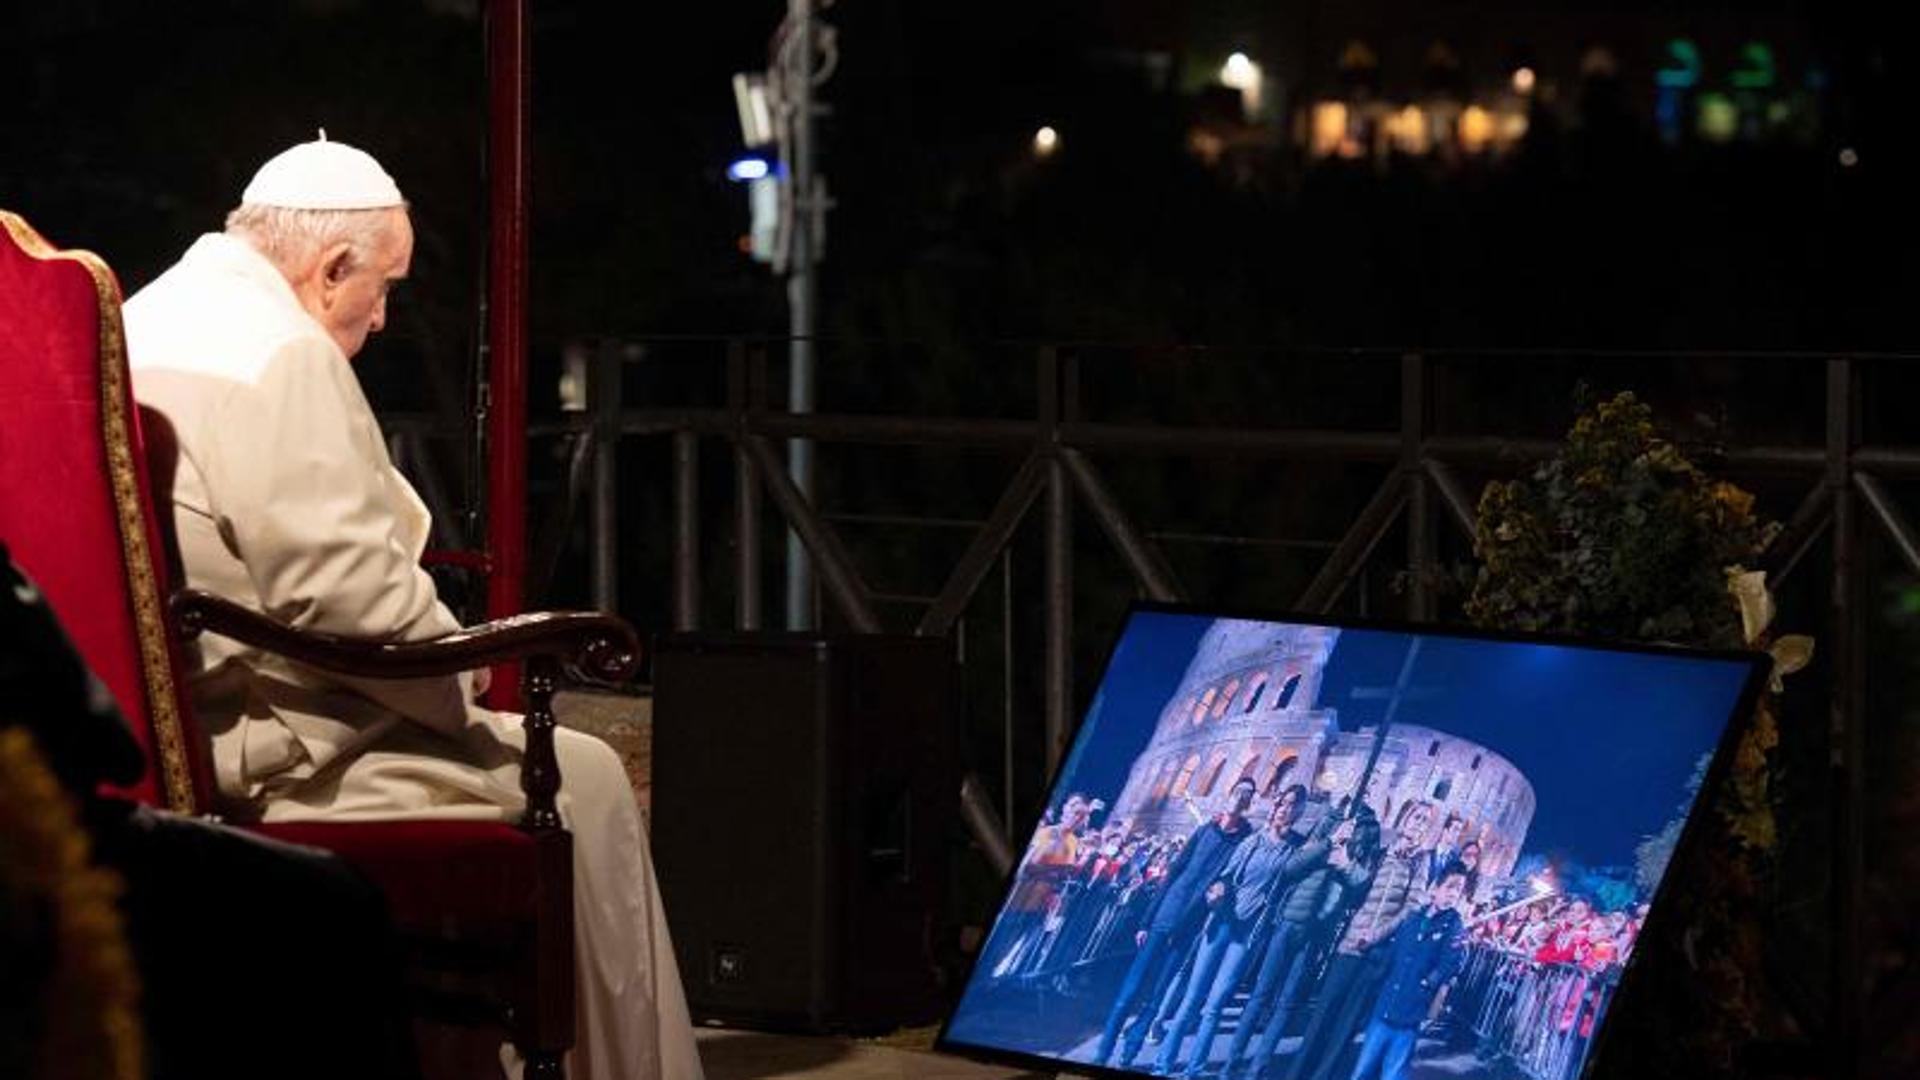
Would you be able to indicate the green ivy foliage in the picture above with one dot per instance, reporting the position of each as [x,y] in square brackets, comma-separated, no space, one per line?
[1617,536]
[1620,536]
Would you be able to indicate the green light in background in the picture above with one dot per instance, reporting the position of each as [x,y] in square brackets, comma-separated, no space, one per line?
[1718,119]
[1756,70]
[1683,65]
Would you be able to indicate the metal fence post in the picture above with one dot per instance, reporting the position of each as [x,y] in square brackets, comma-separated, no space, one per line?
[744,381]
[603,397]
[1059,565]
[1847,730]
[1413,437]
[686,531]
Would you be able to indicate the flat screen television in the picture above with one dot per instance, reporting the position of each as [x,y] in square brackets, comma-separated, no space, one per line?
[1312,849]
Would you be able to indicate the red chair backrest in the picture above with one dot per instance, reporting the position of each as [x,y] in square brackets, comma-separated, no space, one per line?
[74,507]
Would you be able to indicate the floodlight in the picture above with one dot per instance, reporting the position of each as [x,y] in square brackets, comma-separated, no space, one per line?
[756,118]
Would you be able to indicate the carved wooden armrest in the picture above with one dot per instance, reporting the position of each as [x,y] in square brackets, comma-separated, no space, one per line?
[600,646]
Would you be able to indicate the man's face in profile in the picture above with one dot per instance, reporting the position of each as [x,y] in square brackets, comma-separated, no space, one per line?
[353,301]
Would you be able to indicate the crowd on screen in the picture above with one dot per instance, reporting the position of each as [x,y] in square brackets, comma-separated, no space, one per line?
[1322,943]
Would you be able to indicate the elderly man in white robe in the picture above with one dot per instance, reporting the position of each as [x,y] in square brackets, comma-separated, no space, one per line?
[285,501]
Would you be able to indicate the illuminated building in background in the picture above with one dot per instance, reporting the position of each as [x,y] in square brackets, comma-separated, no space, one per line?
[1249,706]
[1441,113]
[1330,134]
[1693,95]
[1476,129]
[1389,81]
[1406,131]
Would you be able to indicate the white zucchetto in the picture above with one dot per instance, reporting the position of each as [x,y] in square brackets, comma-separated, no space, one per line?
[323,175]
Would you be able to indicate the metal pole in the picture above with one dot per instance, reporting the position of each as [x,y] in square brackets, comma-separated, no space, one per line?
[508,107]
[1400,689]
[604,390]
[1059,610]
[1847,727]
[1006,685]
[1809,520]
[686,531]
[992,540]
[742,390]
[1413,433]
[1149,567]
[1905,540]
[1452,496]
[984,824]
[1059,567]
[1349,558]
[842,580]
[796,62]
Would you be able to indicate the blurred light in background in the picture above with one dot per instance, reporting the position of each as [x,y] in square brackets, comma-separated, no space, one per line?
[756,118]
[751,167]
[1476,129]
[1329,127]
[1756,70]
[1719,118]
[763,235]
[1523,80]
[1244,75]
[1045,142]
[1407,129]
[1682,69]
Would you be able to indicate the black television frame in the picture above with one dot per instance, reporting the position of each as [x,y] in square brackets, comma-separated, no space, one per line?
[1759,670]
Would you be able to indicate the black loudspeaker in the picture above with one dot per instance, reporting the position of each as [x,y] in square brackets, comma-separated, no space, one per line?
[805,790]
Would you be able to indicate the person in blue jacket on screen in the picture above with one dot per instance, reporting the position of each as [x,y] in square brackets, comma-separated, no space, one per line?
[1425,954]
[1171,926]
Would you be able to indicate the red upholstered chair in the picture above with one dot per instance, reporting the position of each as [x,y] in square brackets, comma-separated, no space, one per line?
[487,909]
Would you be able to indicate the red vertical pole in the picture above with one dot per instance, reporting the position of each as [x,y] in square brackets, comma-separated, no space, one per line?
[508,108]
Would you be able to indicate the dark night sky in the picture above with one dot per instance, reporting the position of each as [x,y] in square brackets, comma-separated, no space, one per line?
[1608,739]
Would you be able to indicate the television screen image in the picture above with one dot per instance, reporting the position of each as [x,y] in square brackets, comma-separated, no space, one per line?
[1317,851]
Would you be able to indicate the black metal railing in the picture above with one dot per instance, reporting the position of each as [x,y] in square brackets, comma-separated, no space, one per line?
[1840,483]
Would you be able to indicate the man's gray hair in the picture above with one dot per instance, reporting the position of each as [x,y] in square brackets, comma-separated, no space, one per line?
[289,237]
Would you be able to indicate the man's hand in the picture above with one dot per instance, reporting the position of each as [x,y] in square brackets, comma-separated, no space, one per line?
[1139,939]
[1215,891]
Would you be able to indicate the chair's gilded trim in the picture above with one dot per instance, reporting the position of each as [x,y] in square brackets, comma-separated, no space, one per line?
[176,779]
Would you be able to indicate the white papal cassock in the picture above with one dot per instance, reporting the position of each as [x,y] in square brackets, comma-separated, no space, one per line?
[285,501]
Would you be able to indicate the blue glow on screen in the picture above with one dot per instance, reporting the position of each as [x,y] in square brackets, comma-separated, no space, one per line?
[1524,797]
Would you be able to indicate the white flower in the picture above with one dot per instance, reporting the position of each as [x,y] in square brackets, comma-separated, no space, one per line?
[1791,652]
[1749,589]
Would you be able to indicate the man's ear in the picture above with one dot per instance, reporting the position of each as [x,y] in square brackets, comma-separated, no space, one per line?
[336,262]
